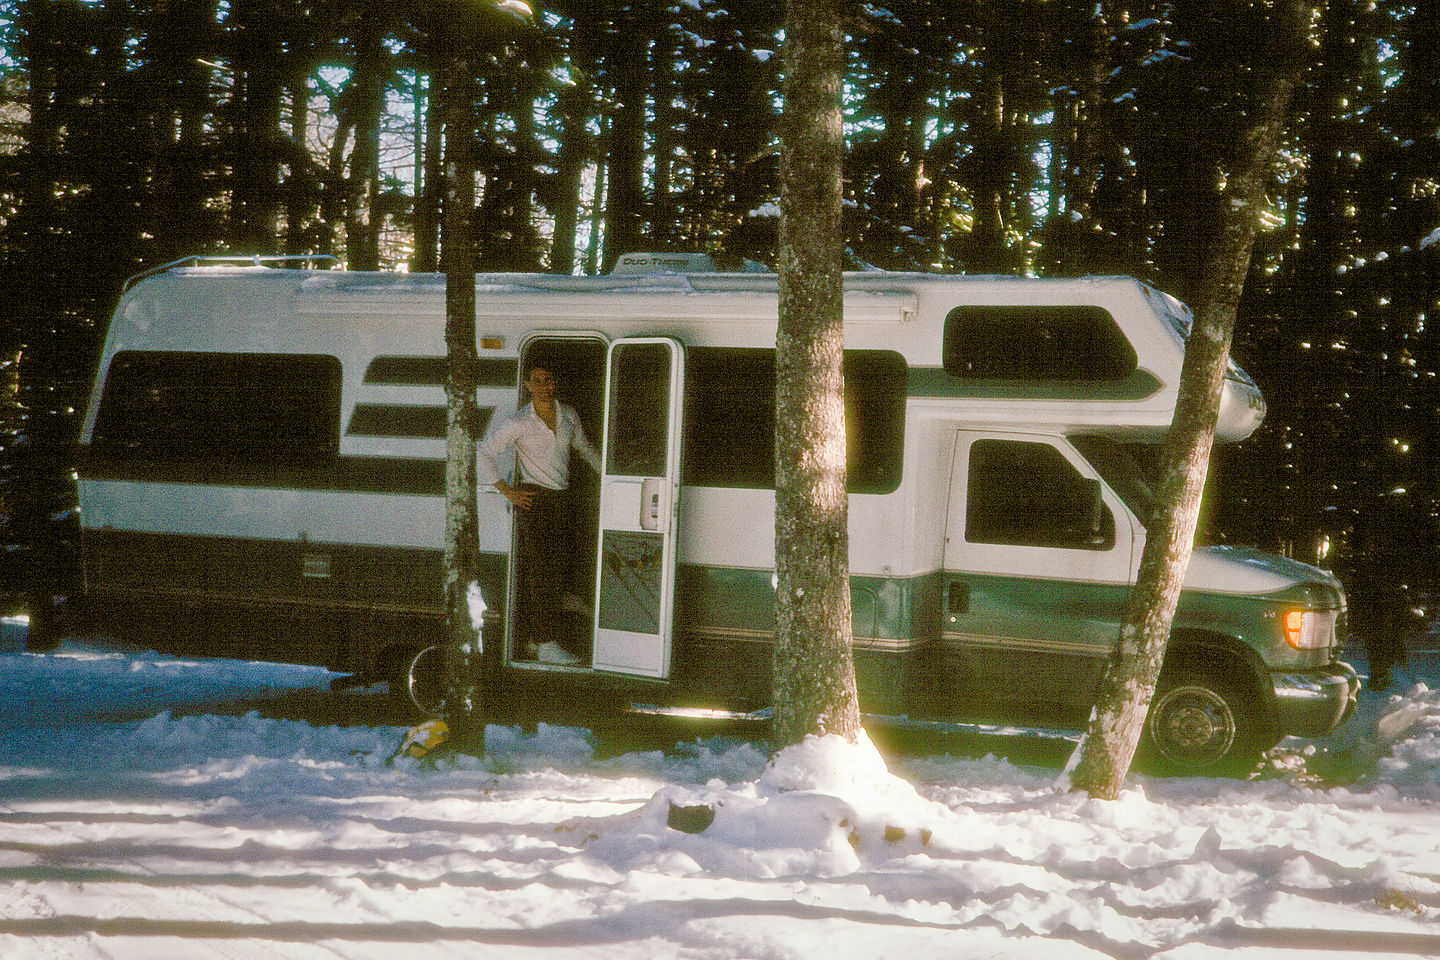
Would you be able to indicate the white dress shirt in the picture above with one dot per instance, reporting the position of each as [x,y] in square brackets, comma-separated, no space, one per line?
[543,454]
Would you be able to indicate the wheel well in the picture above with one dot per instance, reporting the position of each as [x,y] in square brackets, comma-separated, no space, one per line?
[380,644]
[390,657]
[1227,659]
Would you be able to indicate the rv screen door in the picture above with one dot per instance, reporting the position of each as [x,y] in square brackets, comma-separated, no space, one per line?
[635,582]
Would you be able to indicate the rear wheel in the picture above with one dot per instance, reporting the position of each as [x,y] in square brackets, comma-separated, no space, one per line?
[417,681]
[1199,725]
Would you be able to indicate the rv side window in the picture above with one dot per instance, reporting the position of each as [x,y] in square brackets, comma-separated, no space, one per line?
[1028,494]
[1036,343]
[730,418]
[220,408]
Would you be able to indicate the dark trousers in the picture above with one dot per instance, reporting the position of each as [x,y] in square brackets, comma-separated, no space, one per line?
[545,541]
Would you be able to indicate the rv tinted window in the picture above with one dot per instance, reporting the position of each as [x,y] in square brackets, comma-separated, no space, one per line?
[730,418]
[1028,494]
[1036,343]
[220,408]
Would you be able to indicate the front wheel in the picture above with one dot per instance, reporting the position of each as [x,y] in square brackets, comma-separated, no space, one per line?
[417,681]
[1199,726]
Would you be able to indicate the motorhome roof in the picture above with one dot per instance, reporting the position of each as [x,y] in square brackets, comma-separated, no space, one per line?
[637,272]
[869,295]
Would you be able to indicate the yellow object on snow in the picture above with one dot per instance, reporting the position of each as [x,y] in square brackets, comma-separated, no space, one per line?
[425,738]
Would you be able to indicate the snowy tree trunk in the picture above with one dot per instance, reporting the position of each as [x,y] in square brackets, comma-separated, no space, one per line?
[462,700]
[1103,757]
[814,674]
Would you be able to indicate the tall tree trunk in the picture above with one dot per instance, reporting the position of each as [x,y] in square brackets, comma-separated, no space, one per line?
[896,195]
[986,251]
[519,175]
[625,212]
[662,220]
[367,100]
[1103,757]
[181,36]
[576,106]
[572,156]
[427,203]
[41,36]
[599,205]
[814,673]
[1077,235]
[259,88]
[462,523]
[305,231]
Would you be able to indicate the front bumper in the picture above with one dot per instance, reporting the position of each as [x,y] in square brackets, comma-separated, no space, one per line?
[1311,703]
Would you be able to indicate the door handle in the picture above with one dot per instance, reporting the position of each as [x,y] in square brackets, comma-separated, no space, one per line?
[651,505]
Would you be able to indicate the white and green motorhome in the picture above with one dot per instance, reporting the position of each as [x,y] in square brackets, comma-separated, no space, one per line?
[262,475]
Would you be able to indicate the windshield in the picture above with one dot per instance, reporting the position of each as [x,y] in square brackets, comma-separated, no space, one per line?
[1124,471]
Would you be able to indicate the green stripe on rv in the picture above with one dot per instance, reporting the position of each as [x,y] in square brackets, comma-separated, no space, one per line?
[895,614]
[430,371]
[889,614]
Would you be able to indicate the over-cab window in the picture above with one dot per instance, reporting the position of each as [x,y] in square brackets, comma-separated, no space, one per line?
[1022,493]
[220,408]
[1076,343]
[730,418]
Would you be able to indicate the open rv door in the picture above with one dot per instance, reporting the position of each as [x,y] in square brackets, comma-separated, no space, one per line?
[639,490]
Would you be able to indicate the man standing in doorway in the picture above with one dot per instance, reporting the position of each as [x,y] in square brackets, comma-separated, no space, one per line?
[542,434]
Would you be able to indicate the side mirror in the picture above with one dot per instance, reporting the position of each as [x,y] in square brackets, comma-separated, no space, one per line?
[1091,526]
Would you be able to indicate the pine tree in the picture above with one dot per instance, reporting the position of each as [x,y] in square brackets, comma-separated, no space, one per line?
[814,673]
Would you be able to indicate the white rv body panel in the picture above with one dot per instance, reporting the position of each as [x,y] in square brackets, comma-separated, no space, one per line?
[358,317]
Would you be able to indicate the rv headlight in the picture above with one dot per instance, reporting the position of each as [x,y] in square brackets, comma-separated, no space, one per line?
[1310,629]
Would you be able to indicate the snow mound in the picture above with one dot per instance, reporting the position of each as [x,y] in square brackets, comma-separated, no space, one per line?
[824,807]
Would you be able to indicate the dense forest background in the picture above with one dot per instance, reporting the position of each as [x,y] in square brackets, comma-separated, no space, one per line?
[1044,137]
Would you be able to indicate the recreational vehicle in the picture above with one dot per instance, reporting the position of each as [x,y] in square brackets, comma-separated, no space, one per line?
[262,476]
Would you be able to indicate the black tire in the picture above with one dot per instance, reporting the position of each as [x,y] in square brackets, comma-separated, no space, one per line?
[417,681]
[1199,726]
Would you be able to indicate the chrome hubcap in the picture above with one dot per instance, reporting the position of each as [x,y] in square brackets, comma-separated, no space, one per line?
[1193,724]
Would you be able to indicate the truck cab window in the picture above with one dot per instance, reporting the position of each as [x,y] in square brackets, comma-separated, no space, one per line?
[1028,494]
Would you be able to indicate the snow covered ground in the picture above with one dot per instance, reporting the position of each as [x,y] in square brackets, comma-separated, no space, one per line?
[134,823]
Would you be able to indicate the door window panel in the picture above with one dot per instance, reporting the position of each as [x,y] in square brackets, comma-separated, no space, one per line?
[1027,494]
[639,403]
